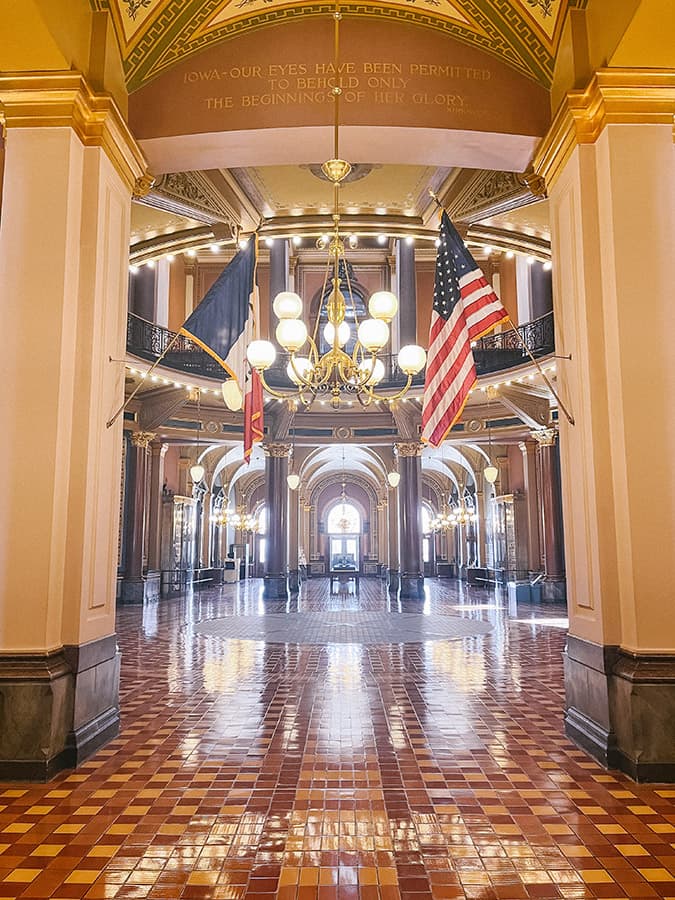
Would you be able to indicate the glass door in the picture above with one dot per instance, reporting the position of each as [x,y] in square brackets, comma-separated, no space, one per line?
[344,552]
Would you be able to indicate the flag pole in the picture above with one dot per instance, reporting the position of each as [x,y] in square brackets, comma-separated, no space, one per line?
[521,340]
[131,396]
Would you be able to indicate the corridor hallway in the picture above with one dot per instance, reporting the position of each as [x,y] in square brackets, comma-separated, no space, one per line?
[436,768]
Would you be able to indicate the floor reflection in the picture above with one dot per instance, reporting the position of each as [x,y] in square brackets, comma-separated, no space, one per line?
[387,771]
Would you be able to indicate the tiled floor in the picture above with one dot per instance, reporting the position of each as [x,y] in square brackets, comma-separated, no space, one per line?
[375,771]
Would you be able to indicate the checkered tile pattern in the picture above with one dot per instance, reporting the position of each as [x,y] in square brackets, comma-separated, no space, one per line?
[385,771]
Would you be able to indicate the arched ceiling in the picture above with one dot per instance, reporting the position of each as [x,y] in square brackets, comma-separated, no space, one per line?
[155,34]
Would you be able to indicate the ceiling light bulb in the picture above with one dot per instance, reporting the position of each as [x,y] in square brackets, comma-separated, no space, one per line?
[287,305]
[297,241]
[410,240]
[374,368]
[192,253]
[197,472]
[548,265]
[232,395]
[150,264]
[412,359]
[373,334]
[343,333]
[214,248]
[491,473]
[133,269]
[530,260]
[383,305]
[382,239]
[301,366]
[291,334]
[269,242]
[243,243]
[261,354]
[169,257]
[510,254]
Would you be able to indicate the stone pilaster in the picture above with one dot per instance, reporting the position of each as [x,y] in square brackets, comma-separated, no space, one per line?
[553,586]
[529,451]
[135,587]
[157,454]
[70,164]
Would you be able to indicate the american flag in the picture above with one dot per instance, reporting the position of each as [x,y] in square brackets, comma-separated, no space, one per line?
[465,307]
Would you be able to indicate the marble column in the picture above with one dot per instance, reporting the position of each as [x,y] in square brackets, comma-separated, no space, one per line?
[410,533]
[609,169]
[293,541]
[278,270]
[157,454]
[407,293]
[134,584]
[70,168]
[393,575]
[529,451]
[482,509]
[553,585]
[276,565]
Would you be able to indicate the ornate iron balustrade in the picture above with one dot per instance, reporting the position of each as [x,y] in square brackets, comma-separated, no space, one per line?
[493,353]
[504,350]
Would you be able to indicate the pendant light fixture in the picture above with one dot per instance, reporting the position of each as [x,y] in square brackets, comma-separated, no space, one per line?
[394,477]
[197,471]
[293,479]
[490,472]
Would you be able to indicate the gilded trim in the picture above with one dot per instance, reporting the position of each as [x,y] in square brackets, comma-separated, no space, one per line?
[613,97]
[65,100]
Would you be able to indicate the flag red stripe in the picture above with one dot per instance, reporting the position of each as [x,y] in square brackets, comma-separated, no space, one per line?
[436,387]
[451,370]
[253,414]
[453,411]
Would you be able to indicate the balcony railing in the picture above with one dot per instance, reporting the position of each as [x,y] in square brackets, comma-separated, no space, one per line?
[493,353]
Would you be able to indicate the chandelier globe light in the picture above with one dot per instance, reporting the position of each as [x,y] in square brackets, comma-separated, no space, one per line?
[394,478]
[335,371]
[197,470]
[491,473]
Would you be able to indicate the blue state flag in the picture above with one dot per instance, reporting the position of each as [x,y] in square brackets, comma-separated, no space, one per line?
[223,323]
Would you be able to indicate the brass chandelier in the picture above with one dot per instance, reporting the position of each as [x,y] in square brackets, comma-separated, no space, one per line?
[336,370]
[456,515]
[238,519]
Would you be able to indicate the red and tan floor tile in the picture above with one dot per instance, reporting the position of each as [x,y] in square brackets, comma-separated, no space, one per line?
[403,771]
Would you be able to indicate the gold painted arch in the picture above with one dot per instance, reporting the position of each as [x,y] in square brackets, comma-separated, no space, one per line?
[156,34]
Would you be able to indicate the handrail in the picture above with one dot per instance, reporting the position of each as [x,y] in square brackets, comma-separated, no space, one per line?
[492,353]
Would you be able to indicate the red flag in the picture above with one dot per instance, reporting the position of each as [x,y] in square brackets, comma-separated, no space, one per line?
[253,414]
[465,307]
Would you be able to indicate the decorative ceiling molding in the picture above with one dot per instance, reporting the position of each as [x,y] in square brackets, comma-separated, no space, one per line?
[486,193]
[194,194]
[155,34]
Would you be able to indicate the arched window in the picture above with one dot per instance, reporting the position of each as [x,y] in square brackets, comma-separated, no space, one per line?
[426,519]
[344,518]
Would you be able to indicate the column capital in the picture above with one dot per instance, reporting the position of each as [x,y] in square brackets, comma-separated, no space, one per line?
[409,448]
[613,96]
[142,438]
[545,437]
[66,100]
[277,450]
